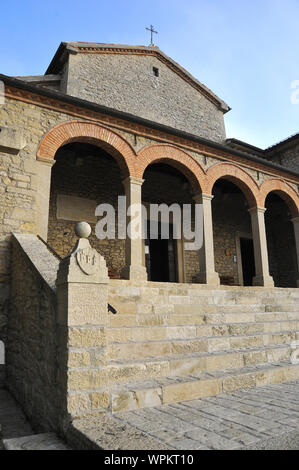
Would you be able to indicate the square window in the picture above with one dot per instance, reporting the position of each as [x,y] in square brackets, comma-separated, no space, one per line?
[156,71]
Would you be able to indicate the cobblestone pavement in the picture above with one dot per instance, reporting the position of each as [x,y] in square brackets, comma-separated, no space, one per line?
[229,421]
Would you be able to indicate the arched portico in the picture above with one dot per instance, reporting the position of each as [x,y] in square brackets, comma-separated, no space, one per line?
[112,143]
[133,166]
[282,223]
[175,157]
[236,175]
[196,176]
[284,190]
[250,189]
[77,131]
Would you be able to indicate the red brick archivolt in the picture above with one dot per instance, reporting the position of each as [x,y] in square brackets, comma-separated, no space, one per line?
[175,157]
[284,190]
[236,175]
[92,133]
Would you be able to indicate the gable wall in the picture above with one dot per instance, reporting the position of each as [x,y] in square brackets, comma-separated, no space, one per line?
[127,83]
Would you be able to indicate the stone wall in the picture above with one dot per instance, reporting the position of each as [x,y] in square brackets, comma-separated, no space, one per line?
[127,83]
[32,359]
[19,179]
[288,157]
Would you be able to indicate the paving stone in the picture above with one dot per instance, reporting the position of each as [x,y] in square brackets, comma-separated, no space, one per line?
[46,441]
[239,420]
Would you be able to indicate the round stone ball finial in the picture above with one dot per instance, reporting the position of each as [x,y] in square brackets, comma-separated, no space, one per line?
[82,229]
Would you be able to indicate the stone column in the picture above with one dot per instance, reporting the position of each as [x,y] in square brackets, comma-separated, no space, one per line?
[134,268]
[262,276]
[44,167]
[82,317]
[207,272]
[296,232]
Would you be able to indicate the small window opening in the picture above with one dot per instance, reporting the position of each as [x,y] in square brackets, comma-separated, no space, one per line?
[156,71]
[2,353]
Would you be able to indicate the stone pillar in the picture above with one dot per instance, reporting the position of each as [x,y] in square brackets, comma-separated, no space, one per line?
[44,167]
[262,276]
[207,272]
[134,268]
[296,232]
[82,316]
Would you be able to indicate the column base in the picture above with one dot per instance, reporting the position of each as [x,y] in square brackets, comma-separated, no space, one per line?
[263,281]
[138,273]
[209,278]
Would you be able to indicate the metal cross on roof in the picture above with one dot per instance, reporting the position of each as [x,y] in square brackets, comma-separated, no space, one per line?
[151,29]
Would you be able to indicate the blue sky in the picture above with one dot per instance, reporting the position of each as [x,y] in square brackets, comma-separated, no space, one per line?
[247,52]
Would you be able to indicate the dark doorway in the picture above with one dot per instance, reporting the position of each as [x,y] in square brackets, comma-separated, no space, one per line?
[247,255]
[161,258]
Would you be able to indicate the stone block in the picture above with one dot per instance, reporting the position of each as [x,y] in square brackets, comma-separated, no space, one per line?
[126,401]
[191,390]
[87,337]
[238,383]
[78,403]
[78,359]
[226,361]
[99,399]
[88,379]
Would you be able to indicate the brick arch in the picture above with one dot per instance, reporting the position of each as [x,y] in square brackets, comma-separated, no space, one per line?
[236,175]
[284,190]
[173,156]
[91,133]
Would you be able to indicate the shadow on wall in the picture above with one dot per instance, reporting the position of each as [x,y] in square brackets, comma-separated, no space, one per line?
[2,363]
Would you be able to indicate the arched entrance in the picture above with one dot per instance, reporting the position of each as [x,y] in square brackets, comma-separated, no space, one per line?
[83,177]
[234,193]
[171,177]
[91,163]
[281,242]
[233,240]
[165,259]
[282,227]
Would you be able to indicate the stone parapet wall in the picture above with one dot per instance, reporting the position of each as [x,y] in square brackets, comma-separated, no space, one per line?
[32,359]
[56,353]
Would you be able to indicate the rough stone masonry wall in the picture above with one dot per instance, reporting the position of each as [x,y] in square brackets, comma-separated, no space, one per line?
[32,359]
[127,83]
[18,183]
[288,158]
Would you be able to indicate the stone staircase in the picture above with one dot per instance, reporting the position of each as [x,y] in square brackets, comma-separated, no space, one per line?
[176,342]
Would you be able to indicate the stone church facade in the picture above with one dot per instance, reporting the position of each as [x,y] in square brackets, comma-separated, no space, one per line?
[108,120]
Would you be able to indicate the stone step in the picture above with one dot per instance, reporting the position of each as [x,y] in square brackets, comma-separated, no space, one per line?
[124,370]
[138,349]
[156,333]
[44,441]
[135,290]
[156,392]
[209,296]
[195,319]
[184,307]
